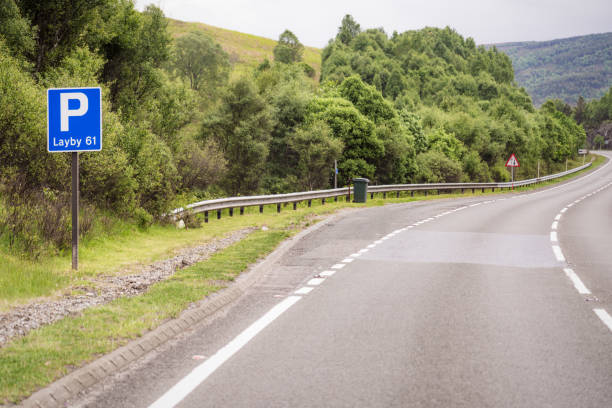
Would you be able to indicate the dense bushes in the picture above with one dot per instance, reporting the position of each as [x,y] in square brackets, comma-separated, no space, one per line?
[463,96]
[421,106]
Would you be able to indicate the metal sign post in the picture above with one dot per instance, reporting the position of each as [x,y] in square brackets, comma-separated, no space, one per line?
[512,163]
[74,124]
[335,173]
[75,210]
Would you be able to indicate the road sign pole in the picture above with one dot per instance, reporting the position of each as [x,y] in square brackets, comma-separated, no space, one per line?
[335,173]
[75,210]
[512,177]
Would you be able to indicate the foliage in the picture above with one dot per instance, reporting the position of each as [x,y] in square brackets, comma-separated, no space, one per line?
[289,49]
[316,149]
[15,29]
[241,128]
[202,61]
[420,105]
[59,27]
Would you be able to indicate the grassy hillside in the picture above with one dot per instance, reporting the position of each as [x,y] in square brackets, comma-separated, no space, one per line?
[565,68]
[246,51]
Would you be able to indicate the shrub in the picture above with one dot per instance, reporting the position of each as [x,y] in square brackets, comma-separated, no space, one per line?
[143,219]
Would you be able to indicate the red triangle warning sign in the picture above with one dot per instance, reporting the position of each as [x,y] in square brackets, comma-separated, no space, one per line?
[512,162]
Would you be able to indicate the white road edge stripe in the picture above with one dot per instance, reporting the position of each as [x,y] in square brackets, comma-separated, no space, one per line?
[583,290]
[553,236]
[184,387]
[605,317]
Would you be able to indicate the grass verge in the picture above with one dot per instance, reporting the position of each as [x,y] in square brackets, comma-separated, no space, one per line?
[51,352]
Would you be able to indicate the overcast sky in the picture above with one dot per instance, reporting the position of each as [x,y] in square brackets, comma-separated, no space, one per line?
[316,21]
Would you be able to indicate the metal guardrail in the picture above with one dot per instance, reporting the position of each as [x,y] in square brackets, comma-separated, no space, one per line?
[278,199]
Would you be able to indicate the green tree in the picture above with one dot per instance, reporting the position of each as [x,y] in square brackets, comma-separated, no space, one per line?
[201,60]
[59,26]
[316,150]
[15,29]
[362,149]
[598,141]
[137,46]
[348,30]
[289,49]
[241,127]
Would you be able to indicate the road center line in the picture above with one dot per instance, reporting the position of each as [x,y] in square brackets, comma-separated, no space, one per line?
[558,253]
[184,387]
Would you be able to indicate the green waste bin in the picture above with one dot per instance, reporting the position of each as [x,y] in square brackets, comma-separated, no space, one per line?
[360,190]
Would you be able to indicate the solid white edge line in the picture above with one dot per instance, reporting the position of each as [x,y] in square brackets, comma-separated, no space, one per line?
[558,254]
[583,290]
[338,266]
[605,317]
[364,250]
[563,210]
[348,260]
[554,225]
[355,255]
[185,386]
[553,236]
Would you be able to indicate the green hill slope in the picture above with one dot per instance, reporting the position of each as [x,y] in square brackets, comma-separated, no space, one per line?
[565,68]
[246,51]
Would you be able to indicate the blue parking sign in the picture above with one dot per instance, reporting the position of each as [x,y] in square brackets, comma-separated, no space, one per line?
[74,120]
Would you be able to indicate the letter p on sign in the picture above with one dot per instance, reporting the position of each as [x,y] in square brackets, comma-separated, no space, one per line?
[66,112]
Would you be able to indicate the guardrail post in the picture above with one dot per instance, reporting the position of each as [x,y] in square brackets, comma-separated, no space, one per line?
[278,207]
[294,205]
[384,195]
[309,203]
[439,191]
[206,216]
[462,190]
[231,211]
[492,189]
[397,194]
[261,209]
[473,190]
[483,189]
[371,196]
[241,210]
[426,192]
[335,199]
[322,201]
[412,194]
[218,214]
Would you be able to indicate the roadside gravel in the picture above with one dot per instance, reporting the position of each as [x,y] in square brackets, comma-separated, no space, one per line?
[104,289]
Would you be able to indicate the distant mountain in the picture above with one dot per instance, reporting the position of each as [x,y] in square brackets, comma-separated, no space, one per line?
[564,69]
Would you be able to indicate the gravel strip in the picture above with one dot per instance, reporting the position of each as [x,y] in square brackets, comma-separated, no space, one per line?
[20,320]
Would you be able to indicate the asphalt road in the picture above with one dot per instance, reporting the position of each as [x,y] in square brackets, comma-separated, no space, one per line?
[464,304]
